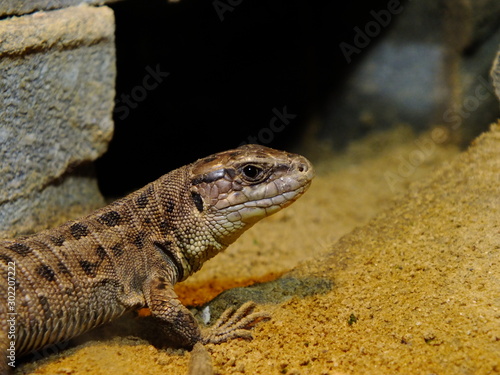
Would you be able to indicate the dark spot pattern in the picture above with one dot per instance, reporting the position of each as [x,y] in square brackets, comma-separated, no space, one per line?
[79,230]
[139,240]
[112,286]
[208,177]
[20,248]
[101,252]
[209,159]
[117,249]
[111,218]
[46,272]
[161,286]
[107,281]
[142,200]
[197,180]
[234,154]
[45,306]
[89,268]
[166,248]
[165,227]
[6,259]
[137,282]
[170,207]
[57,240]
[198,202]
[62,268]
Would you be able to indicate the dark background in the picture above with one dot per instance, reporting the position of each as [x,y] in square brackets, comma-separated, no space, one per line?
[225,78]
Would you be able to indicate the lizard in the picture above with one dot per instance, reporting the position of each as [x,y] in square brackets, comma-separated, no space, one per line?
[64,281]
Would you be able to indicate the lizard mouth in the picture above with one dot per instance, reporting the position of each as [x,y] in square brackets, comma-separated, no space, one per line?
[254,209]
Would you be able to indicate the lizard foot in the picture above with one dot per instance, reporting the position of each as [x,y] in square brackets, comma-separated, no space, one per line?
[234,324]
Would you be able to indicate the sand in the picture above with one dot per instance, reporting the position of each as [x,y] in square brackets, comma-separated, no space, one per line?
[406,230]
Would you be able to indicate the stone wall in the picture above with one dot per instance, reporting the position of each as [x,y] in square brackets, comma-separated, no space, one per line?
[57,74]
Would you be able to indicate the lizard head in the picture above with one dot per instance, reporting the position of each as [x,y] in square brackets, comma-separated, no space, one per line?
[232,190]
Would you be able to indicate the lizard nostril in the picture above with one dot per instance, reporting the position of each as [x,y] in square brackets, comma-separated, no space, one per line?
[302,167]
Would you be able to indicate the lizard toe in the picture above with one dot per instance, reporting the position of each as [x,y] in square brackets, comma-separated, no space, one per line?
[234,324]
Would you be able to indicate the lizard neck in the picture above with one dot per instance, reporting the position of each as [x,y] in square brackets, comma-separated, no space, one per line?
[179,231]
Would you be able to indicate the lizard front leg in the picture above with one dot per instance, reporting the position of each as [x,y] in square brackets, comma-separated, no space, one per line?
[179,326]
[176,323]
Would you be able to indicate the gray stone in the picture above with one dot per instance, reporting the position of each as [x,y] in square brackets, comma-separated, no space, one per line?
[472,34]
[472,105]
[495,74]
[72,196]
[57,73]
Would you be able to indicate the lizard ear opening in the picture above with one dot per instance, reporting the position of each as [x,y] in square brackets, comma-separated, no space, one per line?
[197,200]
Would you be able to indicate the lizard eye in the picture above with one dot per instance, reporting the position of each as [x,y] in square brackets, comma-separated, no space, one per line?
[251,172]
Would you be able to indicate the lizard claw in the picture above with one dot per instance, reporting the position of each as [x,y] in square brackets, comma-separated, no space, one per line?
[234,324]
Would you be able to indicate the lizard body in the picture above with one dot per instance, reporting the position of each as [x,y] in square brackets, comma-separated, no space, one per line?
[129,254]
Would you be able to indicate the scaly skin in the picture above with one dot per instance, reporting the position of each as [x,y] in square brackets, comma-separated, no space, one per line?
[128,255]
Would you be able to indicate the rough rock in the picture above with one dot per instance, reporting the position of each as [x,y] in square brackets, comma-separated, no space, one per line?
[57,73]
